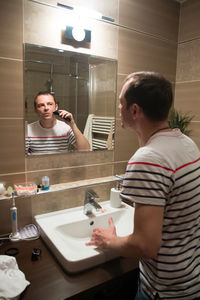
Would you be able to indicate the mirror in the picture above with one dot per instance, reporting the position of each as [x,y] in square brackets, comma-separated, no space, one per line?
[84,85]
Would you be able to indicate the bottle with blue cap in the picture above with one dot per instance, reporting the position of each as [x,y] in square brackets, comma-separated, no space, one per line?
[45,183]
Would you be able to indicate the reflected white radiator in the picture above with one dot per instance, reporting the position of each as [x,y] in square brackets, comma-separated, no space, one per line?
[103,129]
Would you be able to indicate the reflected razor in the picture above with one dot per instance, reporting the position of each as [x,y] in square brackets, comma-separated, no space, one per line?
[56,112]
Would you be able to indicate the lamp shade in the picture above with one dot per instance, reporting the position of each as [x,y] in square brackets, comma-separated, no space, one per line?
[78,33]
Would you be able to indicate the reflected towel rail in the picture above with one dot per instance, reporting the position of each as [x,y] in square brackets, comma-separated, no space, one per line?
[103,129]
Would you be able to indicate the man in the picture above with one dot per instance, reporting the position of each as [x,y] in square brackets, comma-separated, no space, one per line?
[49,135]
[162,179]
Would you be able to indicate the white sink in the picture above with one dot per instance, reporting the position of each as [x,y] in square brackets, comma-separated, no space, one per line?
[67,231]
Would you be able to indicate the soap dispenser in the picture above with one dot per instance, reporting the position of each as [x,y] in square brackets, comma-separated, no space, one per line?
[115,199]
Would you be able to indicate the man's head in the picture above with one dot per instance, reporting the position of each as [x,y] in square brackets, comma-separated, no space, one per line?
[45,104]
[150,91]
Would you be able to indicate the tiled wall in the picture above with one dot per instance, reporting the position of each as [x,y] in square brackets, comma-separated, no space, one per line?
[145,40]
[188,65]
[73,166]
[12,162]
[58,198]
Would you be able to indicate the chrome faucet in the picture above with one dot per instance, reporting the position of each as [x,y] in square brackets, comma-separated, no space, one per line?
[90,202]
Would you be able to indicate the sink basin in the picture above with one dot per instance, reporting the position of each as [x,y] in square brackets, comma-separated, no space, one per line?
[66,232]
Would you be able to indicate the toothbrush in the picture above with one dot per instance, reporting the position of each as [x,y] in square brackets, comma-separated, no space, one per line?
[13,213]
[120,177]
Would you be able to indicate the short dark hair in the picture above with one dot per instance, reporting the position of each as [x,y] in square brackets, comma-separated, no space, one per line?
[43,93]
[152,92]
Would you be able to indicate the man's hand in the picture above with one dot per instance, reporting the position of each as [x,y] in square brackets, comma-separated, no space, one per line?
[81,143]
[66,114]
[101,237]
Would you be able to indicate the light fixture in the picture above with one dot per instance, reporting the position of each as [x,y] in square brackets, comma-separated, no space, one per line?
[78,33]
[85,12]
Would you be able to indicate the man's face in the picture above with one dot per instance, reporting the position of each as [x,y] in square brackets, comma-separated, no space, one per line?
[45,106]
[125,113]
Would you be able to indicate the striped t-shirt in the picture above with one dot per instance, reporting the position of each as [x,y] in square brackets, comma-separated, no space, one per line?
[166,172]
[41,140]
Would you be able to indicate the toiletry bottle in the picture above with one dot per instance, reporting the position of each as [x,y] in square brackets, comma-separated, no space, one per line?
[2,188]
[13,212]
[115,199]
[45,183]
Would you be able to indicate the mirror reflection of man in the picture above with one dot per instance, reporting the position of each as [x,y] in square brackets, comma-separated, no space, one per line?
[49,135]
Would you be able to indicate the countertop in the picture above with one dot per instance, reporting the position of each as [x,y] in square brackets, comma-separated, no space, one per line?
[49,281]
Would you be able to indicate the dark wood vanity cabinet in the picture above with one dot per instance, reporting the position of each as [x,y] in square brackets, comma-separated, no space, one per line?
[116,279]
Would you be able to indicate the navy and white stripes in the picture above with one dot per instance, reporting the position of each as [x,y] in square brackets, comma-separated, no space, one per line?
[49,140]
[166,172]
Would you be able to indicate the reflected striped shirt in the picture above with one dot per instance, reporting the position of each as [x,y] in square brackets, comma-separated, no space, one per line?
[41,140]
[166,172]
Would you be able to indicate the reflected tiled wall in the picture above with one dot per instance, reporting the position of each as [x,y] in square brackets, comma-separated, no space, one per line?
[145,40]
[188,67]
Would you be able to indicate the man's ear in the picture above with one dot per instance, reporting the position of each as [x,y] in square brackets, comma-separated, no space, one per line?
[133,109]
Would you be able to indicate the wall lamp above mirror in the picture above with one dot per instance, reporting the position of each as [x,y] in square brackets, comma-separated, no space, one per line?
[83,85]
[78,33]
[88,13]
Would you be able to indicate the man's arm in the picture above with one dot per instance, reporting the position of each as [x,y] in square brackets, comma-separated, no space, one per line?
[144,242]
[82,143]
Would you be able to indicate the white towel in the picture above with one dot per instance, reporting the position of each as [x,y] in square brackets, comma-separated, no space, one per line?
[12,280]
[88,130]
[109,143]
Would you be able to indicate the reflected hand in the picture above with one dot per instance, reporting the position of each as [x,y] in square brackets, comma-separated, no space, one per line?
[66,114]
[101,237]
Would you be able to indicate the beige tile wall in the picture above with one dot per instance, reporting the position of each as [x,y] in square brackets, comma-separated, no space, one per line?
[150,46]
[145,39]
[151,17]
[70,167]
[12,162]
[138,51]
[102,89]
[40,21]
[187,89]
[30,206]
[11,24]
[189,20]
[148,41]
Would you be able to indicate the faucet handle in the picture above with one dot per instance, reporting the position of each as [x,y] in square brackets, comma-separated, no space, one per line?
[91,195]
[90,203]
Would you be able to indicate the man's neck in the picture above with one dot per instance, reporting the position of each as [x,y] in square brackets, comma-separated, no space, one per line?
[147,132]
[48,123]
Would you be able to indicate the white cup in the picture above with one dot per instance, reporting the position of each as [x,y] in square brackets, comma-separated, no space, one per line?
[2,188]
[115,199]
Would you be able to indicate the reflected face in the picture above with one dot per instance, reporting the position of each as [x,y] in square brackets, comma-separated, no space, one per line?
[45,106]
[125,113]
